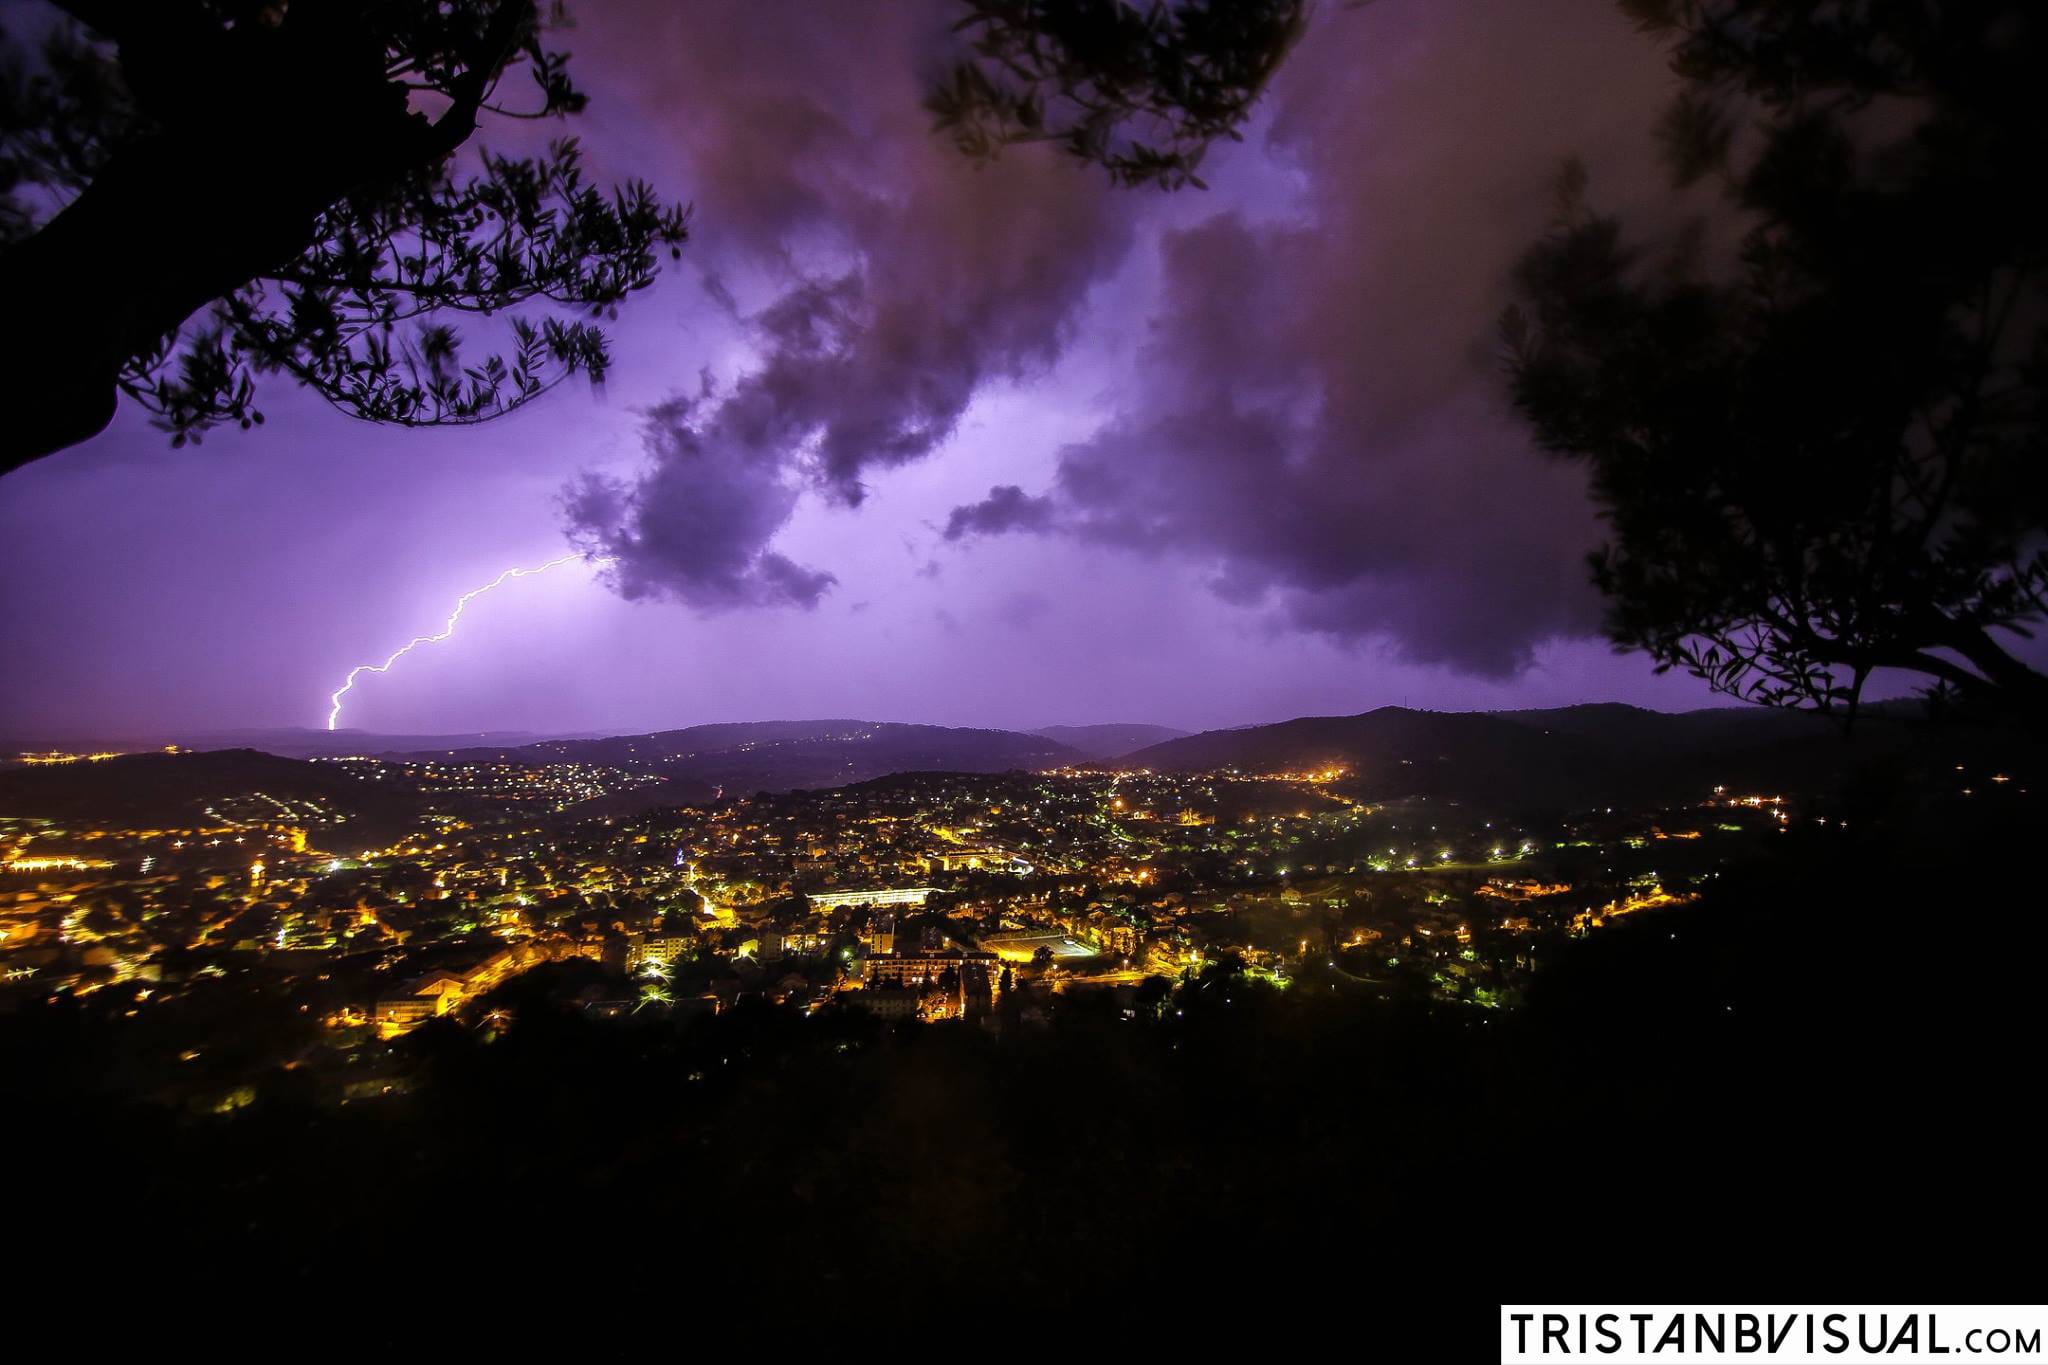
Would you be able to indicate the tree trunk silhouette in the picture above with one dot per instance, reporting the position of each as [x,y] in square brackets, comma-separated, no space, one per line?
[257,131]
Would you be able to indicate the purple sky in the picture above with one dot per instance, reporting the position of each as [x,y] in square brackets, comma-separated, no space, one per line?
[902,439]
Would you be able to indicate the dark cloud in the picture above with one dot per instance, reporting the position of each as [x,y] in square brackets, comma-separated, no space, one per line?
[1006,508]
[908,282]
[1319,414]
[695,524]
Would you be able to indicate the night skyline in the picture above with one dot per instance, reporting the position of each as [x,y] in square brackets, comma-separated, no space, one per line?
[1373,529]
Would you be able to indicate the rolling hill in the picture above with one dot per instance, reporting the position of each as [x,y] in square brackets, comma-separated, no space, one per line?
[1573,755]
[1395,752]
[781,755]
[179,790]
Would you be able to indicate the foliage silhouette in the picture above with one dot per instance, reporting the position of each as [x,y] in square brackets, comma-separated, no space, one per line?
[246,189]
[1819,448]
[1140,89]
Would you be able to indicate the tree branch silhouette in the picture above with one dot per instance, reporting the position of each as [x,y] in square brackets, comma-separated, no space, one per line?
[249,189]
[1819,451]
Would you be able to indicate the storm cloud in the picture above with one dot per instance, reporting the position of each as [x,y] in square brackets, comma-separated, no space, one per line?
[900,282]
[1006,508]
[1248,444]
[1319,417]
[694,524]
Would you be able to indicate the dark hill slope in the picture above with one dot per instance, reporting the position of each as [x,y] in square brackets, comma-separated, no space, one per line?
[1590,754]
[1394,752]
[175,790]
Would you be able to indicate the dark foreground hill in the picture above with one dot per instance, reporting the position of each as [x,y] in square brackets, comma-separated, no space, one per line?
[781,755]
[1779,1055]
[1577,754]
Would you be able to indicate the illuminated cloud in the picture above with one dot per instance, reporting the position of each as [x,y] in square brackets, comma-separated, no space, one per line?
[1319,416]
[695,524]
[900,283]
[1255,433]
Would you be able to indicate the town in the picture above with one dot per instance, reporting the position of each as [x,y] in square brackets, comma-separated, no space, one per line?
[987,899]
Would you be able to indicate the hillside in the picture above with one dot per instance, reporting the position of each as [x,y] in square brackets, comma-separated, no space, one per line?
[1578,754]
[780,755]
[1395,752]
[1633,727]
[195,789]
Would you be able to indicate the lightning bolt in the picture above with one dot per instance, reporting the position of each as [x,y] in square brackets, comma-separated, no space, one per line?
[348,683]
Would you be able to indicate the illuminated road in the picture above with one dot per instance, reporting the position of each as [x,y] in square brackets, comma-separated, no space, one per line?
[1129,976]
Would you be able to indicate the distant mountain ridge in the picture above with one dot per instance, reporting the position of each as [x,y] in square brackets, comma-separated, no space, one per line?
[779,755]
[1107,741]
[285,741]
[177,789]
[1589,754]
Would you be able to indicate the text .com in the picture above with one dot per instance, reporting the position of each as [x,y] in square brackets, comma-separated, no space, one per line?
[1778,1333]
